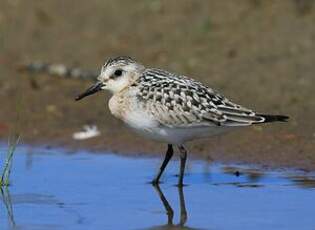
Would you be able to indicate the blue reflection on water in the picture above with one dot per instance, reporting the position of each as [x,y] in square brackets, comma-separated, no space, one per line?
[54,190]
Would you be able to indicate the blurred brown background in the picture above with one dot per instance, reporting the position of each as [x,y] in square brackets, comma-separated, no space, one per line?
[259,53]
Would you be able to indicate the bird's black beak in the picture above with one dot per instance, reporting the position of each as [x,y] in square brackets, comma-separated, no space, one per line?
[93,89]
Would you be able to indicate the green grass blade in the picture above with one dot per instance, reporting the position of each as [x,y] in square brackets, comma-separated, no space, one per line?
[8,162]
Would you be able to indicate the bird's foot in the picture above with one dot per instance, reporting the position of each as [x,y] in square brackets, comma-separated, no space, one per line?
[155,182]
[181,185]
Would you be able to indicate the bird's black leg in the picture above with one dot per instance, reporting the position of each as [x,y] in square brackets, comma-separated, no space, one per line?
[168,156]
[183,157]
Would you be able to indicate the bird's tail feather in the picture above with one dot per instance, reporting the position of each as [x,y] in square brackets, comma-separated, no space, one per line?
[274,118]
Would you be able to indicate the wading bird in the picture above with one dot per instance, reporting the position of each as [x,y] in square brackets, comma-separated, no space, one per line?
[169,107]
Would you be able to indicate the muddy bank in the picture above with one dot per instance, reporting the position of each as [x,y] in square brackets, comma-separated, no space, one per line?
[258,53]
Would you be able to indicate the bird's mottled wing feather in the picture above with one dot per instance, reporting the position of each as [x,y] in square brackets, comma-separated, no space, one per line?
[178,101]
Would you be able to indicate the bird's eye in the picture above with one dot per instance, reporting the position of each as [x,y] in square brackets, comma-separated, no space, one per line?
[118,73]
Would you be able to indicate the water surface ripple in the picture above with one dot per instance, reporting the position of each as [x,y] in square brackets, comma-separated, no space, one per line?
[52,189]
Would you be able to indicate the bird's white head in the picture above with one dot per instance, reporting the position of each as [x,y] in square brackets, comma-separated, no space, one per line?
[119,73]
[116,74]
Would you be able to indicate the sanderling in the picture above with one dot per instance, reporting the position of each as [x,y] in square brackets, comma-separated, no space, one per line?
[168,107]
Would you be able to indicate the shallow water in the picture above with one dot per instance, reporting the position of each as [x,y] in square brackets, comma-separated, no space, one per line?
[52,189]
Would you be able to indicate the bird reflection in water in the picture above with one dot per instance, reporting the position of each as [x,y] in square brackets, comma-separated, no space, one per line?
[170,212]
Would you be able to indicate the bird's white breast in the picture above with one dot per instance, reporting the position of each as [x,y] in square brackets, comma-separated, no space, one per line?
[126,108]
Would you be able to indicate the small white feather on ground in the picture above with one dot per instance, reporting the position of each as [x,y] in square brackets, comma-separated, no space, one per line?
[89,131]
